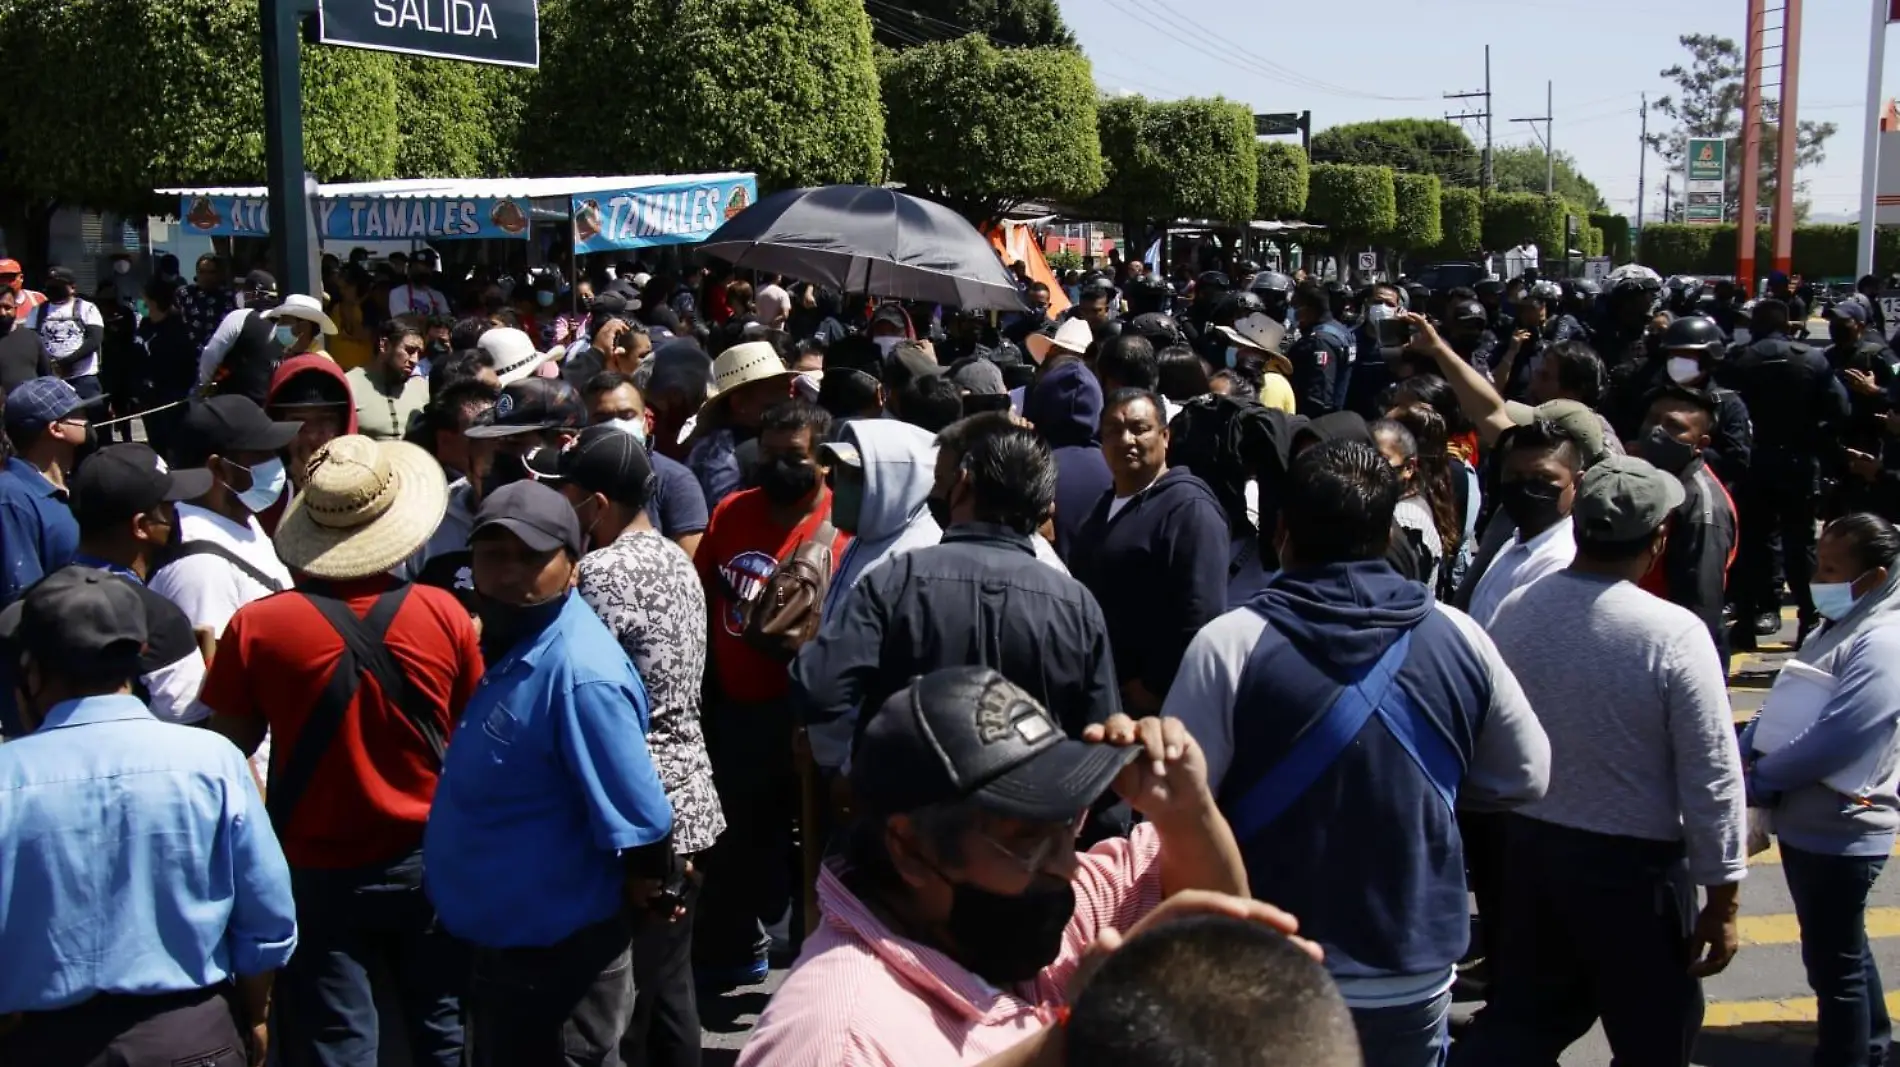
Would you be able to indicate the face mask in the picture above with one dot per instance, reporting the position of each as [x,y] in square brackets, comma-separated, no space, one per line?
[847,504]
[508,469]
[786,481]
[1008,939]
[120,266]
[286,336]
[636,428]
[1233,357]
[1377,313]
[885,344]
[1664,452]
[939,510]
[438,349]
[6,321]
[1532,505]
[1833,599]
[544,298]
[505,625]
[1683,370]
[58,292]
[267,484]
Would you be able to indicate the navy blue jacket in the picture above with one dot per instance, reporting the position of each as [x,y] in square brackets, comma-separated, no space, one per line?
[1066,407]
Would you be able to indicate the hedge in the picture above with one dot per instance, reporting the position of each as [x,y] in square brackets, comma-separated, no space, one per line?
[1354,202]
[1616,237]
[1417,218]
[1820,251]
[1461,223]
[1284,177]
[1177,159]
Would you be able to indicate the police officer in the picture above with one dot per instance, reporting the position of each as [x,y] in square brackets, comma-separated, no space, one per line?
[1468,332]
[1581,302]
[1227,310]
[1322,357]
[1498,318]
[1275,291]
[1540,321]
[1209,287]
[1798,409]
[1619,335]
[1867,369]
[1686,355]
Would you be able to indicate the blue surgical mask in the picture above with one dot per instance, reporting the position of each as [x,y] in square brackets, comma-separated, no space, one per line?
[267,485]
[286,336]
[1833,600]
[544,298]
[636,427]
[1233,357]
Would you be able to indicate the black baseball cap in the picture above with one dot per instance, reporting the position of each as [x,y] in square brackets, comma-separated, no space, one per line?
[541,517]
[78,619]
[121,481]
[260,281]
[603,459]
[968,733]
[532,404]
[226,424]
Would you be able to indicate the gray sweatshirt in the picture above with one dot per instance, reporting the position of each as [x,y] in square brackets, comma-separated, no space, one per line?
[1632,695]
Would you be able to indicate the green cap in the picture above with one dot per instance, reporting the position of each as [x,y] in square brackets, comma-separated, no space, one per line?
[1576,420]
[1623,498]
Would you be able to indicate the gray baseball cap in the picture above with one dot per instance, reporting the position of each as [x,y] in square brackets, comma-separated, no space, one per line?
[1577,421]
[1623,498]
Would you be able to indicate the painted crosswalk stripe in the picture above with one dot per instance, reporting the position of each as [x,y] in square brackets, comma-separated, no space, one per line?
[1725,1013]
[1784,930]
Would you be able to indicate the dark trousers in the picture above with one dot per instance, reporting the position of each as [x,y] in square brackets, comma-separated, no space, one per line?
[352,924]
[1775,499]
[665,1030]
[87,386]
[1830,902]
[1484,835]
[197,1028]
[749,870]
[565,1005]
[1596,927]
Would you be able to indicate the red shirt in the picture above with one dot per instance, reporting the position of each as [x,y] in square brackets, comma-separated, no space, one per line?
[369,797]
[736,557]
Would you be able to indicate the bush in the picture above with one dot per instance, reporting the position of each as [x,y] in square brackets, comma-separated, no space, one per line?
[1418,204]
[1063,259]
[983,129]
[1616,237]
[1281,192]
[1512,219]
[456,120]
[1180,159]
[1356,203]
[1590,241]
[1461,222]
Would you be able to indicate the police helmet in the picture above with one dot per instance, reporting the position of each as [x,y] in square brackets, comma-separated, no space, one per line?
[1468,311]
[1693,333]
[1160,330]
[1272,281]
[1212,281]
[1584,287]
[1236,305]
[1550,294]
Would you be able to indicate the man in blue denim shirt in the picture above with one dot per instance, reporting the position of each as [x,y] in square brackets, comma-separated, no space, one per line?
[550,829]
[144,902]
[46,421]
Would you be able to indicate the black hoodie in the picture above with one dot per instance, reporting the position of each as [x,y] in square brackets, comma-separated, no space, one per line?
[1159,571]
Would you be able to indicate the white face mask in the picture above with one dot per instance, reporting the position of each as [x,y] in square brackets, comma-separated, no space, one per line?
[120,266]
[637,428]
[885,344]
[1683,370]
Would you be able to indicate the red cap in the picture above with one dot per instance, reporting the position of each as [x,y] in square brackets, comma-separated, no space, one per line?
[10,266]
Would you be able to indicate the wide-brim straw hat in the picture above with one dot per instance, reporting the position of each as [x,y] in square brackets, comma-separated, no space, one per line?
[1072,337]
[365,507]
[307,308]
[740,366]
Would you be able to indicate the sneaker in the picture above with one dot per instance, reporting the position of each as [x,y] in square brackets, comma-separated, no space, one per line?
[716,980]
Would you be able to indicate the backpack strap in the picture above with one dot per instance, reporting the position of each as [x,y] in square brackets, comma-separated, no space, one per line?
[320,727]
[366,640]
[212,548]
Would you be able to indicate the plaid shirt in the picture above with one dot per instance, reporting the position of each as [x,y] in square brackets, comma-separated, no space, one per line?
[202,310]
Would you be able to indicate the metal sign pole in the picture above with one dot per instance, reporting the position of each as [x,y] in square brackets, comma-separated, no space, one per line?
[282,24]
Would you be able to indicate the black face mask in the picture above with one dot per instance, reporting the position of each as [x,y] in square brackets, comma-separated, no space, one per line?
[505,625]
[6,322]
[1009,939]
[58,292]
[1532,505]
[785,481]
[939,510]
[508,469]
[1664,452]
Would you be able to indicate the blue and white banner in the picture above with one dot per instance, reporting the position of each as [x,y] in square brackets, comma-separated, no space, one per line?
[365,218]
[225,216]
[659,214]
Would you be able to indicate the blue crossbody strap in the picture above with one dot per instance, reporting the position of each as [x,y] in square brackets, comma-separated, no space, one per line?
[1428,748]
[1321,745]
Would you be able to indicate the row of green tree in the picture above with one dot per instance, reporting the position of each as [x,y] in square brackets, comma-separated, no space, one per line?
[1819,251]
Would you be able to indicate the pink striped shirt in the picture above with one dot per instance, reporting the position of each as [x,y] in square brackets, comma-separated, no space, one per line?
[861,996]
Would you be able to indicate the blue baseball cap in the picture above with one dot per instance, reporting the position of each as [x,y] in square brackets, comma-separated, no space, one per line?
[44,401]
[1851,309]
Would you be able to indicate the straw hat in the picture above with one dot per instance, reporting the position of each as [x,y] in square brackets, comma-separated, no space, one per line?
[511,353]
[1074,337]
[1255,331]
[366,506]
[740,366]
[307,308]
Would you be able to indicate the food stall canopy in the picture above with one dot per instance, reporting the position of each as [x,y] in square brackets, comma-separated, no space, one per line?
[608,213]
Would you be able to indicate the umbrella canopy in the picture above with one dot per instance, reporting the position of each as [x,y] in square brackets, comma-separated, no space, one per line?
[860,239]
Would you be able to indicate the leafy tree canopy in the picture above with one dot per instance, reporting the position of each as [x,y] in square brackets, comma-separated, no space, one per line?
[1282,188]
[1178,159]
[983,129]
[1012,23]
[1411,146]
[456,120]
[1354,202]
[1521,170]
[1416,222]
[1461,220]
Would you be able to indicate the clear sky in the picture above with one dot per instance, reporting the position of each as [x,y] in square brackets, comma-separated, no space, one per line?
[1352,60]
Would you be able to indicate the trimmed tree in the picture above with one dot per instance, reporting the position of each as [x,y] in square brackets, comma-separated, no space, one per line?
[983,129]
[1167,160]
[1012,23]
[1281,190]
[1418,204]
[784,88]
[1354,203]
[1512,219]
[1414,146]
[1616,236]
[1461,222]
[456,120]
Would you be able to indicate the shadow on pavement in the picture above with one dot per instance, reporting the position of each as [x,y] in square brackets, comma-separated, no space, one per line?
[1756,1045]
[722,1014]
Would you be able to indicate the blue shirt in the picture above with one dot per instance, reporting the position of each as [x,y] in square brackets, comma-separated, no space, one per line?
[545,782]
[38,534]
[138,859]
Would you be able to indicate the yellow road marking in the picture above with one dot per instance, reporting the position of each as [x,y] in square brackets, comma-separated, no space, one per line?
[1784,930]
[1726,1013]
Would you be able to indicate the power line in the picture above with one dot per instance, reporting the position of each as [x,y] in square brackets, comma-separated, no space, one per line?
[1548,136]
[1484,181]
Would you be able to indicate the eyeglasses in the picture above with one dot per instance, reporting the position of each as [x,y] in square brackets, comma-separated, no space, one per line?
[1056,841]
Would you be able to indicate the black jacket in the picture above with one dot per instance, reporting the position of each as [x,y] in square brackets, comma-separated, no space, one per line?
[980,598]
[22,358]
[1797,407]
[1694,567]
[1159,571]
[1323,353]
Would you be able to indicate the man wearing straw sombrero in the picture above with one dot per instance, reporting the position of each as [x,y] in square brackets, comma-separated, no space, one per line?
[747,379]
[360,678]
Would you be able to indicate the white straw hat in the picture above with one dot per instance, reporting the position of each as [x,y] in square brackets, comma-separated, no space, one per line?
[365,507]
[740,366]
[1074,337]
[307,308]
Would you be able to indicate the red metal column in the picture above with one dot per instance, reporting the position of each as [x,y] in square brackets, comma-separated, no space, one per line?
[1751,148]
[1785,152]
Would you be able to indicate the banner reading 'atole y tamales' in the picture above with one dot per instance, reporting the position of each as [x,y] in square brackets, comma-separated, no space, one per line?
[366,218]
[659,214]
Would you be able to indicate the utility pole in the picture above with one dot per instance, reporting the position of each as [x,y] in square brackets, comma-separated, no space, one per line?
[1642,160]
[1484,179]
[1666,192]
[1545,138]
[282,25]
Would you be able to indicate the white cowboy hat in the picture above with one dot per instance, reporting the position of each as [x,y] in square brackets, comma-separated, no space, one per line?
[1257,331]
[740,366]
[511,353]
[365,507]
[1073,337]
[307,308]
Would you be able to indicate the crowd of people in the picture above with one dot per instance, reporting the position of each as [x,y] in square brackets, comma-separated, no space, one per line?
[1151,681]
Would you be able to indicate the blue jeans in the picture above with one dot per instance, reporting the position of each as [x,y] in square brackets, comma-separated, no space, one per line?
[1830,902]
[1411,1035]
[350,924]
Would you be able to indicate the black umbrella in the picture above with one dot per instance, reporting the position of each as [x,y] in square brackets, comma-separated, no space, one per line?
[860,239]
